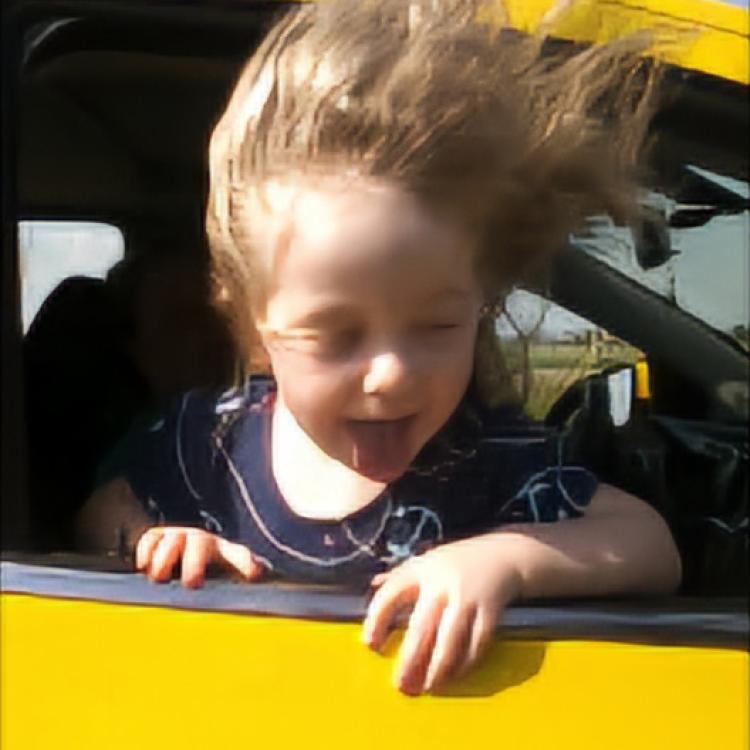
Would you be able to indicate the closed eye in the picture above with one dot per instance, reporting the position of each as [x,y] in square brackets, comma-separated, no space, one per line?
[338,343]
[323,344]
[438,326]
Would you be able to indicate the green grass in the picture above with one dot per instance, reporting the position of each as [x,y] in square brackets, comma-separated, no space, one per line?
[556,366]
[558,356]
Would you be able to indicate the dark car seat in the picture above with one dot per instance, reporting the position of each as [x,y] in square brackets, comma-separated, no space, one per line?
[82,391]
[693,471]
[101,353]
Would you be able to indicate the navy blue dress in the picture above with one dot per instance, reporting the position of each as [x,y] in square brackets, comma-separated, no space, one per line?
[206,463]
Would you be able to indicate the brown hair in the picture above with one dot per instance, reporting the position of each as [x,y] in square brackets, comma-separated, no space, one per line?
[483,123]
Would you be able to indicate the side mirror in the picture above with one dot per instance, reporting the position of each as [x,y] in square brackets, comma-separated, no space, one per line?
[653,245]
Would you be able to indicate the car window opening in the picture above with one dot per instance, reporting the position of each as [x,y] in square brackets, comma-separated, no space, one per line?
[690,247]
[97,355]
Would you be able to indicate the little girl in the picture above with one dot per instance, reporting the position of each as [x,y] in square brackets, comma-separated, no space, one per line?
[383,175]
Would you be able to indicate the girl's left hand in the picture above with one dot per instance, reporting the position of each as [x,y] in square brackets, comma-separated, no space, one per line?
[456,592]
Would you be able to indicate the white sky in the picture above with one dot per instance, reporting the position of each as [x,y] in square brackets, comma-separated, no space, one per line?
[50,251]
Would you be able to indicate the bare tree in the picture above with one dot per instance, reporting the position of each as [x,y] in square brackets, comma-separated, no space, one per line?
[525,315]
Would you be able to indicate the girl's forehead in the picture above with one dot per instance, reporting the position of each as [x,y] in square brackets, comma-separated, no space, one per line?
[302,196]
[367,244]
[375,228]
[318,213]
[332,238]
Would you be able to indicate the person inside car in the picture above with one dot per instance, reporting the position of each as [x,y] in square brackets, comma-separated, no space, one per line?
[116,348]
[383,175]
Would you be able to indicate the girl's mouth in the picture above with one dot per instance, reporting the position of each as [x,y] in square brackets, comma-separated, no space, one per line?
[381,449]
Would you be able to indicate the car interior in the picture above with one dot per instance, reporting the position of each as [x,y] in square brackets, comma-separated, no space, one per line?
[107,110]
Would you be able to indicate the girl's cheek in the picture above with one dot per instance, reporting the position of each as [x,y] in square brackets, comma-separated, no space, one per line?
[456,351]
[313,385]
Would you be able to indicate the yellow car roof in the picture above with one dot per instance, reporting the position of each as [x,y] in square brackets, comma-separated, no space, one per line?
[716,42]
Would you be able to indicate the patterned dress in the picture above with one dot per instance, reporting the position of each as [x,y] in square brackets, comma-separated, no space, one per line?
[206,463]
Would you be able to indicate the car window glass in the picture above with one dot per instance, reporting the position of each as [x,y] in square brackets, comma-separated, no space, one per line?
[52,251]
[695,250]
[548,348]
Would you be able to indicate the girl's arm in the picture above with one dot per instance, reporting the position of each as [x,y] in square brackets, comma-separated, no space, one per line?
[458,591]
[620,546]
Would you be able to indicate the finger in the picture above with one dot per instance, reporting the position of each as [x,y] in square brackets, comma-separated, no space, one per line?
[199,548]
[418,643]
[166,555]
[398,592]
[482,635]
[146,546]
[238,558]
[452,643]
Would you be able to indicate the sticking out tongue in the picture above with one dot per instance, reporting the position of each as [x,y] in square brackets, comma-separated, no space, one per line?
[380,450]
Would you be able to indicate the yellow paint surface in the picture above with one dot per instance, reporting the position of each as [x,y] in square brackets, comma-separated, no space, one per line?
[85,675]
[716,41]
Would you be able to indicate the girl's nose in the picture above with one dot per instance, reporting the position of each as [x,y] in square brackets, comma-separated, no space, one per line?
[386,372]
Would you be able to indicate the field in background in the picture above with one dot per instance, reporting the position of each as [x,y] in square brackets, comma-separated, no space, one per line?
[554,367]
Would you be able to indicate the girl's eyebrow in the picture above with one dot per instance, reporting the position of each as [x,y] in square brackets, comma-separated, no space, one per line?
[449,293]
[321,316]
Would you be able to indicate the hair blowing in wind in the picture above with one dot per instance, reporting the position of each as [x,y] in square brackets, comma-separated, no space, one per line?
[515,139]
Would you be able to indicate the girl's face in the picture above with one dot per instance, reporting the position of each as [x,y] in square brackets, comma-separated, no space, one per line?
[370,323]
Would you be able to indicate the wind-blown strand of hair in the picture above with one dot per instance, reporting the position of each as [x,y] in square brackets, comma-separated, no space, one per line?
[512,136]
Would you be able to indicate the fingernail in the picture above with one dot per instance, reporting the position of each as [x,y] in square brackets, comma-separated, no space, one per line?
[368,632]
[408,687]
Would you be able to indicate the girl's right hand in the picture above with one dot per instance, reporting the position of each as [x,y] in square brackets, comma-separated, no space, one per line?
[160,548]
